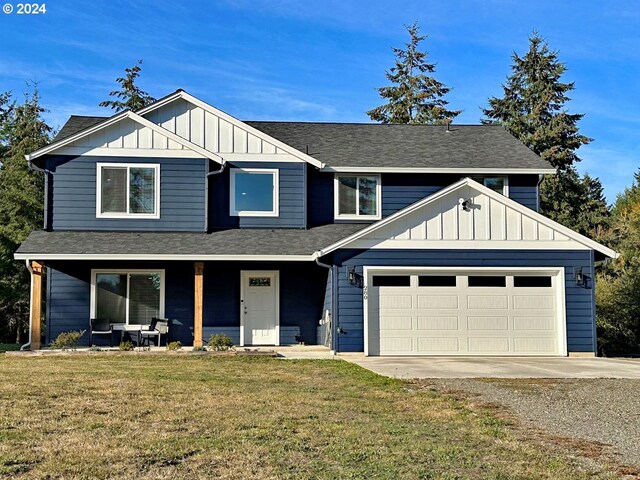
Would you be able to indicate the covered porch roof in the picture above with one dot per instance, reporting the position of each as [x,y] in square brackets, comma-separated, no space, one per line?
[234,244]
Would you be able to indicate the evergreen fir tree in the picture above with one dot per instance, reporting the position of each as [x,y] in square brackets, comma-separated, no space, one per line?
[532,107]
[414,96]
[130,96]
[533,110]
[618,285]
[21,204]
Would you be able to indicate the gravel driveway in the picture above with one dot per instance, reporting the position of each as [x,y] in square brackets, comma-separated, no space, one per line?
[601,410]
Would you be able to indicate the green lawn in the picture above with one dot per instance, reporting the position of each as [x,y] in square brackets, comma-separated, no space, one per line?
[190,416]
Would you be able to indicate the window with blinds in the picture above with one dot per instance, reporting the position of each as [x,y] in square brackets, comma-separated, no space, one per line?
[131,298]
[128,190]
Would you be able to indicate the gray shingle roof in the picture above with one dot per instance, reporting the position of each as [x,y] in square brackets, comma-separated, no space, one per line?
[75,124]
[375,145]
[241,241]
[415,146]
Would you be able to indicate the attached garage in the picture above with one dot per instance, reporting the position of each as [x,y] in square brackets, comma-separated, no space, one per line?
[464,311]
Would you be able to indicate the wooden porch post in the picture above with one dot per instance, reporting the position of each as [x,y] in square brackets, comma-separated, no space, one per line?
[198,305]
[36,305]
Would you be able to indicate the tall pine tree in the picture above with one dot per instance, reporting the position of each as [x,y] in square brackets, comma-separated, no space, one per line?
[414,96]
[21,204]
[618,286]
[130,96]
[533,109]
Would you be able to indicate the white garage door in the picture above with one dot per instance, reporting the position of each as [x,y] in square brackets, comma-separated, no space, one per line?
[472,312]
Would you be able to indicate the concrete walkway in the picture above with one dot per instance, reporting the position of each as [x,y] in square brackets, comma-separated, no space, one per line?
[498,367]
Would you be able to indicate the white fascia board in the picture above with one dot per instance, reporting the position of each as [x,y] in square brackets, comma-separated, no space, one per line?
[66,141]
[176,138]
[527,212]
[162,257]
[470,171]
[254,131]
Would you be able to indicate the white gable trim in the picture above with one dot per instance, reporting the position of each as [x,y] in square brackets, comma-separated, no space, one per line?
[352,240]
[84,133]
[292,153]
[138,119]
[254,131]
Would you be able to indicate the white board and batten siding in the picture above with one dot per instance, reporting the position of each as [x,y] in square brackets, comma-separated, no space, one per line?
[462,319]
[190,122]
[443,223]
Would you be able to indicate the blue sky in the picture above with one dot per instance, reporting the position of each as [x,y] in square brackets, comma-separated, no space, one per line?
[321,60]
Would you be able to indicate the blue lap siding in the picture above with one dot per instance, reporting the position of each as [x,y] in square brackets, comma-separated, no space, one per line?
[292,198]
[73,188]
[302,289]
[580,310]
[69,294]
[301,295]
[399,190]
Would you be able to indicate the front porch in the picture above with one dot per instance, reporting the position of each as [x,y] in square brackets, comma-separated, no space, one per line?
[255,303]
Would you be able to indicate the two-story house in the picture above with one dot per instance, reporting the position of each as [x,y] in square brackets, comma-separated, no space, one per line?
[382,239]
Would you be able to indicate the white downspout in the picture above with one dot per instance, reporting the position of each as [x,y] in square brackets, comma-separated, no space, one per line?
[28,263]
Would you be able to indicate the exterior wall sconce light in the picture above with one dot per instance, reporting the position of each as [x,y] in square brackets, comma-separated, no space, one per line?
[582,280]
[352,276]
[466,204]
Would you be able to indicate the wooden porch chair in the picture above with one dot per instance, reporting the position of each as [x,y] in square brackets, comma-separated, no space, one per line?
[101,326]
[157,328]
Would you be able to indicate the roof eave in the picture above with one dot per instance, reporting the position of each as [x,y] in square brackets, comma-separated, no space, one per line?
[463,170]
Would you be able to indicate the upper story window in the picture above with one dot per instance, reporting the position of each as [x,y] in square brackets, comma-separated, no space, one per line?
[357,197]
[497,184]
[128,190]
[254,192]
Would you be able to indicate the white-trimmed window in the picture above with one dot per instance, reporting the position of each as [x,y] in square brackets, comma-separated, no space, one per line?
[497,184]
[254,192]
[128,190]
[127,297]
[357,197]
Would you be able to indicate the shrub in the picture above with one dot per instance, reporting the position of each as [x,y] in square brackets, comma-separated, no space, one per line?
[174,346]
[68,340]
[126,346]
[220,342]
[199,349]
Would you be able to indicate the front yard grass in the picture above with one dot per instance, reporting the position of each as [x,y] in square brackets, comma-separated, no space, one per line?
[172,416]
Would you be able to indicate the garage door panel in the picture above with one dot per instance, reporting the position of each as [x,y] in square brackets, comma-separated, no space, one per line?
[487,302]
[488,345]
[396,345]
[538,302]
[392,300]
[534,345]
[488,323]
[477,316]
[441,345]
[534,323]
[396,323]
[437,323]
[438,302]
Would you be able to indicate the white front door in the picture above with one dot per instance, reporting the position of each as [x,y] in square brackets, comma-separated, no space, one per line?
[260,323]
